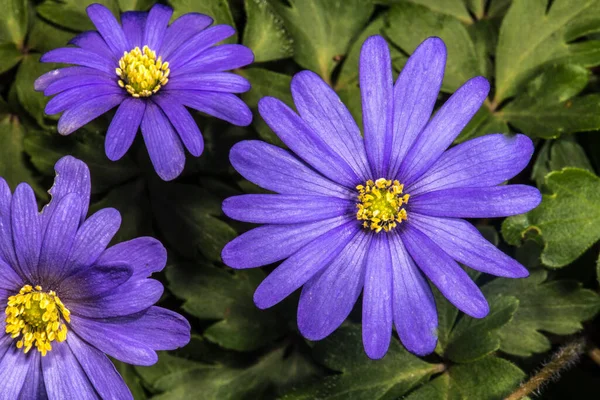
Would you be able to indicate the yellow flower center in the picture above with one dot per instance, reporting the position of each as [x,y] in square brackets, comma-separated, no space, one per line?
[380,204]
[141,73]
[34,317]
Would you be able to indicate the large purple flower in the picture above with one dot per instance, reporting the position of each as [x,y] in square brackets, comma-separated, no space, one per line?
[152,71]
[377,215]
[70,301]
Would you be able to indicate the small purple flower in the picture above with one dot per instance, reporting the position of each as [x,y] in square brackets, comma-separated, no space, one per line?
[70,301]
[152,71]
[377,215]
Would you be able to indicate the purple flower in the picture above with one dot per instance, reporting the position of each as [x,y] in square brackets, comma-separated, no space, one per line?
[152,71]
[378,215]
[70,301]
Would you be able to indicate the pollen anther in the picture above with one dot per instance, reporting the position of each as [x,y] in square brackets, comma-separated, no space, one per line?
[36,318]
[141,73]
[380,204]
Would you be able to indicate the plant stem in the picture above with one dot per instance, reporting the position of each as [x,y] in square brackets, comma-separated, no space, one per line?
[594,354]
[565,357]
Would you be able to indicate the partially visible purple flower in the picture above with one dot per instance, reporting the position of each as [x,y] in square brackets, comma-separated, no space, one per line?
[70,301]
[377,215]
[152,71]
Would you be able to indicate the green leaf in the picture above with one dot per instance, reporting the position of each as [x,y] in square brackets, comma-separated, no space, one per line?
[131,200]
[266,83]
[182,379]
[474,338]
[71,13]
[484,122]
[46,148]
[477,7]
[556,307]
[360,377]
[447,314]
[216,294]
[453,8]
[218,10]
[9,56]
[14,167]
[187,216]
[547,108]
[490,378]
[531,36]
[265,32]
[44,36]
[323,30]
[33,102]
[135,5]
[14,21]
[556,155]
[568,219]
[132,379]
[410,24]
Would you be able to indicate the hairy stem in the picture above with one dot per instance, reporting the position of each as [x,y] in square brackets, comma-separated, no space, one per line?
[565,357]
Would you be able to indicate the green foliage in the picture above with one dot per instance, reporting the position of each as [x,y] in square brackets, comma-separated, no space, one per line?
[568,220]
[557,307]
[538,56]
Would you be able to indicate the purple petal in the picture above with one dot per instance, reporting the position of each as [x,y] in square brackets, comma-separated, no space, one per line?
[163,144]
[73,98]
[323,111]
[461,241]
[95,281]
[377,298]
[303,265]
[485,161]
[328,298]
[60,234]
[72,176]
[11,281]
[198,43]
[14,368]
[213,82]
[415,94]
[33,386]
[156,26]
[92,41]
[140,294]
[275,169]
[225,106]
[99,369]
[376,90]
[270,243]
[283,209]
[487,202]
[92,238]
[133,27]
[415,314]
[444,127]
[219,58]
[445,273]
[109,28]
[76,117]
[84,58]
[59,383]
[124,127]
[94,78]
[182,121]
[26,230]
[45,80]
[134,339]
[145,255]
[181,30]
[7,249]
[304,142]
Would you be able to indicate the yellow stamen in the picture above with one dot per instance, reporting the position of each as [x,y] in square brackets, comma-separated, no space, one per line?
[141,73]
[36,318]
[380,204]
